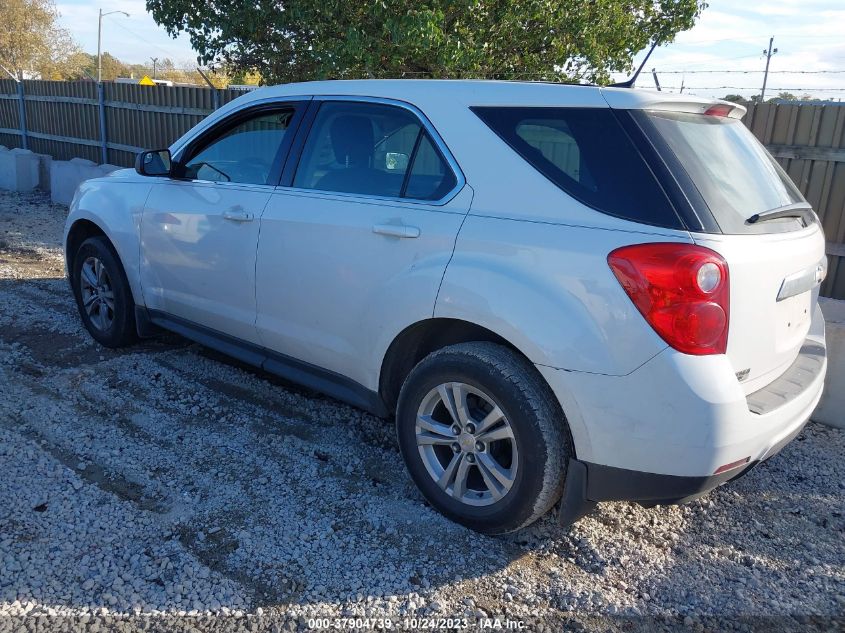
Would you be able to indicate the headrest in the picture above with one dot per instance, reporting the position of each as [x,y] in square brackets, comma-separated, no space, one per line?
[352,140]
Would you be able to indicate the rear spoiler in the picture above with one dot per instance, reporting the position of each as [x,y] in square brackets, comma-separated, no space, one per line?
[627,99]
[717,107]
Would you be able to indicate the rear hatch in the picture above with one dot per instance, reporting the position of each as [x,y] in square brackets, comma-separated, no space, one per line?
[766,231]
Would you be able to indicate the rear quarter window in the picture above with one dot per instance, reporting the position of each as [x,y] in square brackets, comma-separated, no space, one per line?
[587,154]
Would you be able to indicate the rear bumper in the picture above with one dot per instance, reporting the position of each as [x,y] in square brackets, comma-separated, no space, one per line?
[664,433]
[605,483]
[588,484]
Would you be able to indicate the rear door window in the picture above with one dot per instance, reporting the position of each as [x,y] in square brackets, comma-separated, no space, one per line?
[430,177]
[587,153]
[732,171]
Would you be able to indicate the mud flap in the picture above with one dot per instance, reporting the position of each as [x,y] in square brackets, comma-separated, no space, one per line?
[143,325]
[575,504]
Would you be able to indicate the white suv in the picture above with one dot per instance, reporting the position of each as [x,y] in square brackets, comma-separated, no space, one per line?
[559,291]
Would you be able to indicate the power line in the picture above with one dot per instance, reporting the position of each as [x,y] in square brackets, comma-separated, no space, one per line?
[141,38]
[771,72]
[712,61]
[801,89]
[753,37]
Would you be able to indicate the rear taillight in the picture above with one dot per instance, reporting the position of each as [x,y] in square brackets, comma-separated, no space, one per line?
[682,290]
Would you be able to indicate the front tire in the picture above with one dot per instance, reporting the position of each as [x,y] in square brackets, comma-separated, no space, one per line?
[483,437]
[102,293]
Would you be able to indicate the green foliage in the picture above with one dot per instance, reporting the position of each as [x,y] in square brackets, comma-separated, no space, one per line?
[295,40]
[789,96]
[781,96]
[85,67]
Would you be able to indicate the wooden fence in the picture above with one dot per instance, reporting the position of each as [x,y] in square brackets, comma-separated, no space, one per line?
[106,123]
[808,141]
[110,123]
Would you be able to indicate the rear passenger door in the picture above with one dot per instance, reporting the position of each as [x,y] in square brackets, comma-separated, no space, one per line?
[354,242]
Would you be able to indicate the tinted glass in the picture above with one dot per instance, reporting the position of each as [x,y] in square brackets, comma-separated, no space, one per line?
[358,148]
[732,171]
[586,153]
[244,153]
[554,140]
[372,149]
[430,177]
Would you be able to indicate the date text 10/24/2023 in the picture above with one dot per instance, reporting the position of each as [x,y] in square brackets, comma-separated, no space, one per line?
[418,624]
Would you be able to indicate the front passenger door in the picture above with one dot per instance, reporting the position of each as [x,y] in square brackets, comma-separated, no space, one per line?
[199,230]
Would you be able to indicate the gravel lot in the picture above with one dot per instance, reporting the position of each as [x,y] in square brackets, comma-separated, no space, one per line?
[165,480]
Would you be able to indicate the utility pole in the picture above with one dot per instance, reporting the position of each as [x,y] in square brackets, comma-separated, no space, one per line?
[656,82]
[100,43]
[768,55]
[155,60]
[100,48]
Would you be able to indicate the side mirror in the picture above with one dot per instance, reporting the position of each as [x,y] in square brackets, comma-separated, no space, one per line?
[154,163]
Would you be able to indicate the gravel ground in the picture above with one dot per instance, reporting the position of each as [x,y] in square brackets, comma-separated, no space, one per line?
[166,481]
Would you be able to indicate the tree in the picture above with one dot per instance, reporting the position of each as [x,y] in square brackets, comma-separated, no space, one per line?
[789,96]
[31,41]
[735,98]
[292,40]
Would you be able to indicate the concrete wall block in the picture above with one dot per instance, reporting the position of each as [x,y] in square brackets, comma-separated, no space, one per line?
[18,170]
[62,181]
[44,161]
[831,409]
[7,169]
[65,177]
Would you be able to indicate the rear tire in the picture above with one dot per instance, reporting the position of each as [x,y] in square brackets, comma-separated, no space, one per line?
[483,436]
[102,293]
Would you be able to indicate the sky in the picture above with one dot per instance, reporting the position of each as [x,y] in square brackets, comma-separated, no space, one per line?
[729,35]
[133,40]
[732,36]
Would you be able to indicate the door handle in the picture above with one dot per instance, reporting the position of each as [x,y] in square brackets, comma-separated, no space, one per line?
[396,230]
[237,216]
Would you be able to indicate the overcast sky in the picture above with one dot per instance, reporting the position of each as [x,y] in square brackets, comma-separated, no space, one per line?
[808,35]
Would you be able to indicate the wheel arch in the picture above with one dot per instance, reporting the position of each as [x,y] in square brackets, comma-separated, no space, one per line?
[419,340]
[111,207]
[78,232]
[422,338]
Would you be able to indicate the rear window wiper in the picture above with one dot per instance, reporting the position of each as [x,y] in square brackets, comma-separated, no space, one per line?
[797,210]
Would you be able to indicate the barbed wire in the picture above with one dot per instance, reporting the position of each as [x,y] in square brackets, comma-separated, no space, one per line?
[771,72]
[802,89]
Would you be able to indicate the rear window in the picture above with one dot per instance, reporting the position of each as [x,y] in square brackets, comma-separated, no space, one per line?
[732,171]
[586,153]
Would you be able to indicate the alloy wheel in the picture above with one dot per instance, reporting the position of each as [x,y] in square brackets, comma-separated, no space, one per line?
[97,293]
[467,444]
